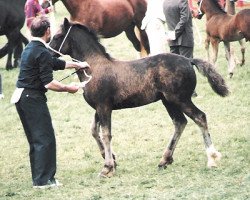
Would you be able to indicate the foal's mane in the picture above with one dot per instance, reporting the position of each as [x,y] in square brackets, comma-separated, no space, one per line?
[217,4]
[94,36]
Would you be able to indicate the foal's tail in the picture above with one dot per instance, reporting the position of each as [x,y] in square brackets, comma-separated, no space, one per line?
[214,78]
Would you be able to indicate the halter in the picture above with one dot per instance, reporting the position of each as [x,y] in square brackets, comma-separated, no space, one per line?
[199,8]
[82,84]
[65,38]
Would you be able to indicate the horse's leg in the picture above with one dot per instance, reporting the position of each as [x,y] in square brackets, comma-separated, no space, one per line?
[17,53]
[200,119]
[179,122]
[215,46]
[13,39]
[207,44]
[130,33]
[139,39]
[230,58]
[104,114]
[9,65]
[95,129]
[144,43]
[243,48]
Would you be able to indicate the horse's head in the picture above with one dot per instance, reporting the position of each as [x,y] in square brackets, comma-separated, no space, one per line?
[200,9]
[77,41]
[61,42]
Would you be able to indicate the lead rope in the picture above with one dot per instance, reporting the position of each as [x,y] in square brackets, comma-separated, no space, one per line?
[199,8]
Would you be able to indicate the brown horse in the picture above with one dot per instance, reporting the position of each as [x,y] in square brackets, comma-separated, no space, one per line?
[109,18]
[126,84]
[224,27]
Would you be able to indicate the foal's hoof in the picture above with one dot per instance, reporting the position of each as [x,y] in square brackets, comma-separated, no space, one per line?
[230,74]
[164,162]
[213,159]
[107,172]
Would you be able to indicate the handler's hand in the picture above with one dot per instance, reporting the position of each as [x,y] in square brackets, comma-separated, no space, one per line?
[82,65]
[72,88]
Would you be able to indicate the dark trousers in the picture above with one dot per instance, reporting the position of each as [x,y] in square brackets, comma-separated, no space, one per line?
[36,120]
[181,50]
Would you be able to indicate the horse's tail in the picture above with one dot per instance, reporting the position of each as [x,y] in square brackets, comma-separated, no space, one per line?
[214,78]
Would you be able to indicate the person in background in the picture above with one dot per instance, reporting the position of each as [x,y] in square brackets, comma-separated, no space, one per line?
[48,4]
[179,21]
[33,9]
[35,78]
[154,25]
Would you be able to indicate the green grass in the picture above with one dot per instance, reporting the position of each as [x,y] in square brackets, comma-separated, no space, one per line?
[139,138]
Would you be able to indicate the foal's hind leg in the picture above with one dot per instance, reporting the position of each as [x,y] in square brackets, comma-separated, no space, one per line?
[207,44]
[243,48]
[179,122]
[230,58]
[200,119]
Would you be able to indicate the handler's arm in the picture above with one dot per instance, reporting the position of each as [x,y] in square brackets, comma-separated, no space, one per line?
[60,87]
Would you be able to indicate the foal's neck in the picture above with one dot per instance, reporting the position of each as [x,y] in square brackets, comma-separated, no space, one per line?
[212,8]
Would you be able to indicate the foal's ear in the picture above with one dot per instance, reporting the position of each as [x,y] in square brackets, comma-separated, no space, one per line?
[66,23]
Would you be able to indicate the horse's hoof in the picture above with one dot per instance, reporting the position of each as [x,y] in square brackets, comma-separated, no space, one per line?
[9,68]
[107,172]
[162,167]
[17,63]
[231,74]
[211,164]
[164,162]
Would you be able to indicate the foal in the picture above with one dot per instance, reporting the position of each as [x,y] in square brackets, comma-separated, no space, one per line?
[221,26]
[126,84]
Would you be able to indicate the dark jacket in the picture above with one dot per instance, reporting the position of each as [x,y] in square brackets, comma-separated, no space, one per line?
[179,19]
[36,68]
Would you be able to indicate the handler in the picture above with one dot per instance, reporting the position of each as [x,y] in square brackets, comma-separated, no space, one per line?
[34,79]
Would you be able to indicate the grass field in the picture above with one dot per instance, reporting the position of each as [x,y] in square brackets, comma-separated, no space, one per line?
[139,138]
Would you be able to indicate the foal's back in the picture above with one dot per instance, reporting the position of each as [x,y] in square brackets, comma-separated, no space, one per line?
[140,82]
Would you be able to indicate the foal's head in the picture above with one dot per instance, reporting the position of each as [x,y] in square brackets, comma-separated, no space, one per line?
[209,6]
[61,42]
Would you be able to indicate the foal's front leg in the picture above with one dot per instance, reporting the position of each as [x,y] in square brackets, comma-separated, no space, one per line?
[105,122]
[215,46]
[207,44]
[95,129]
